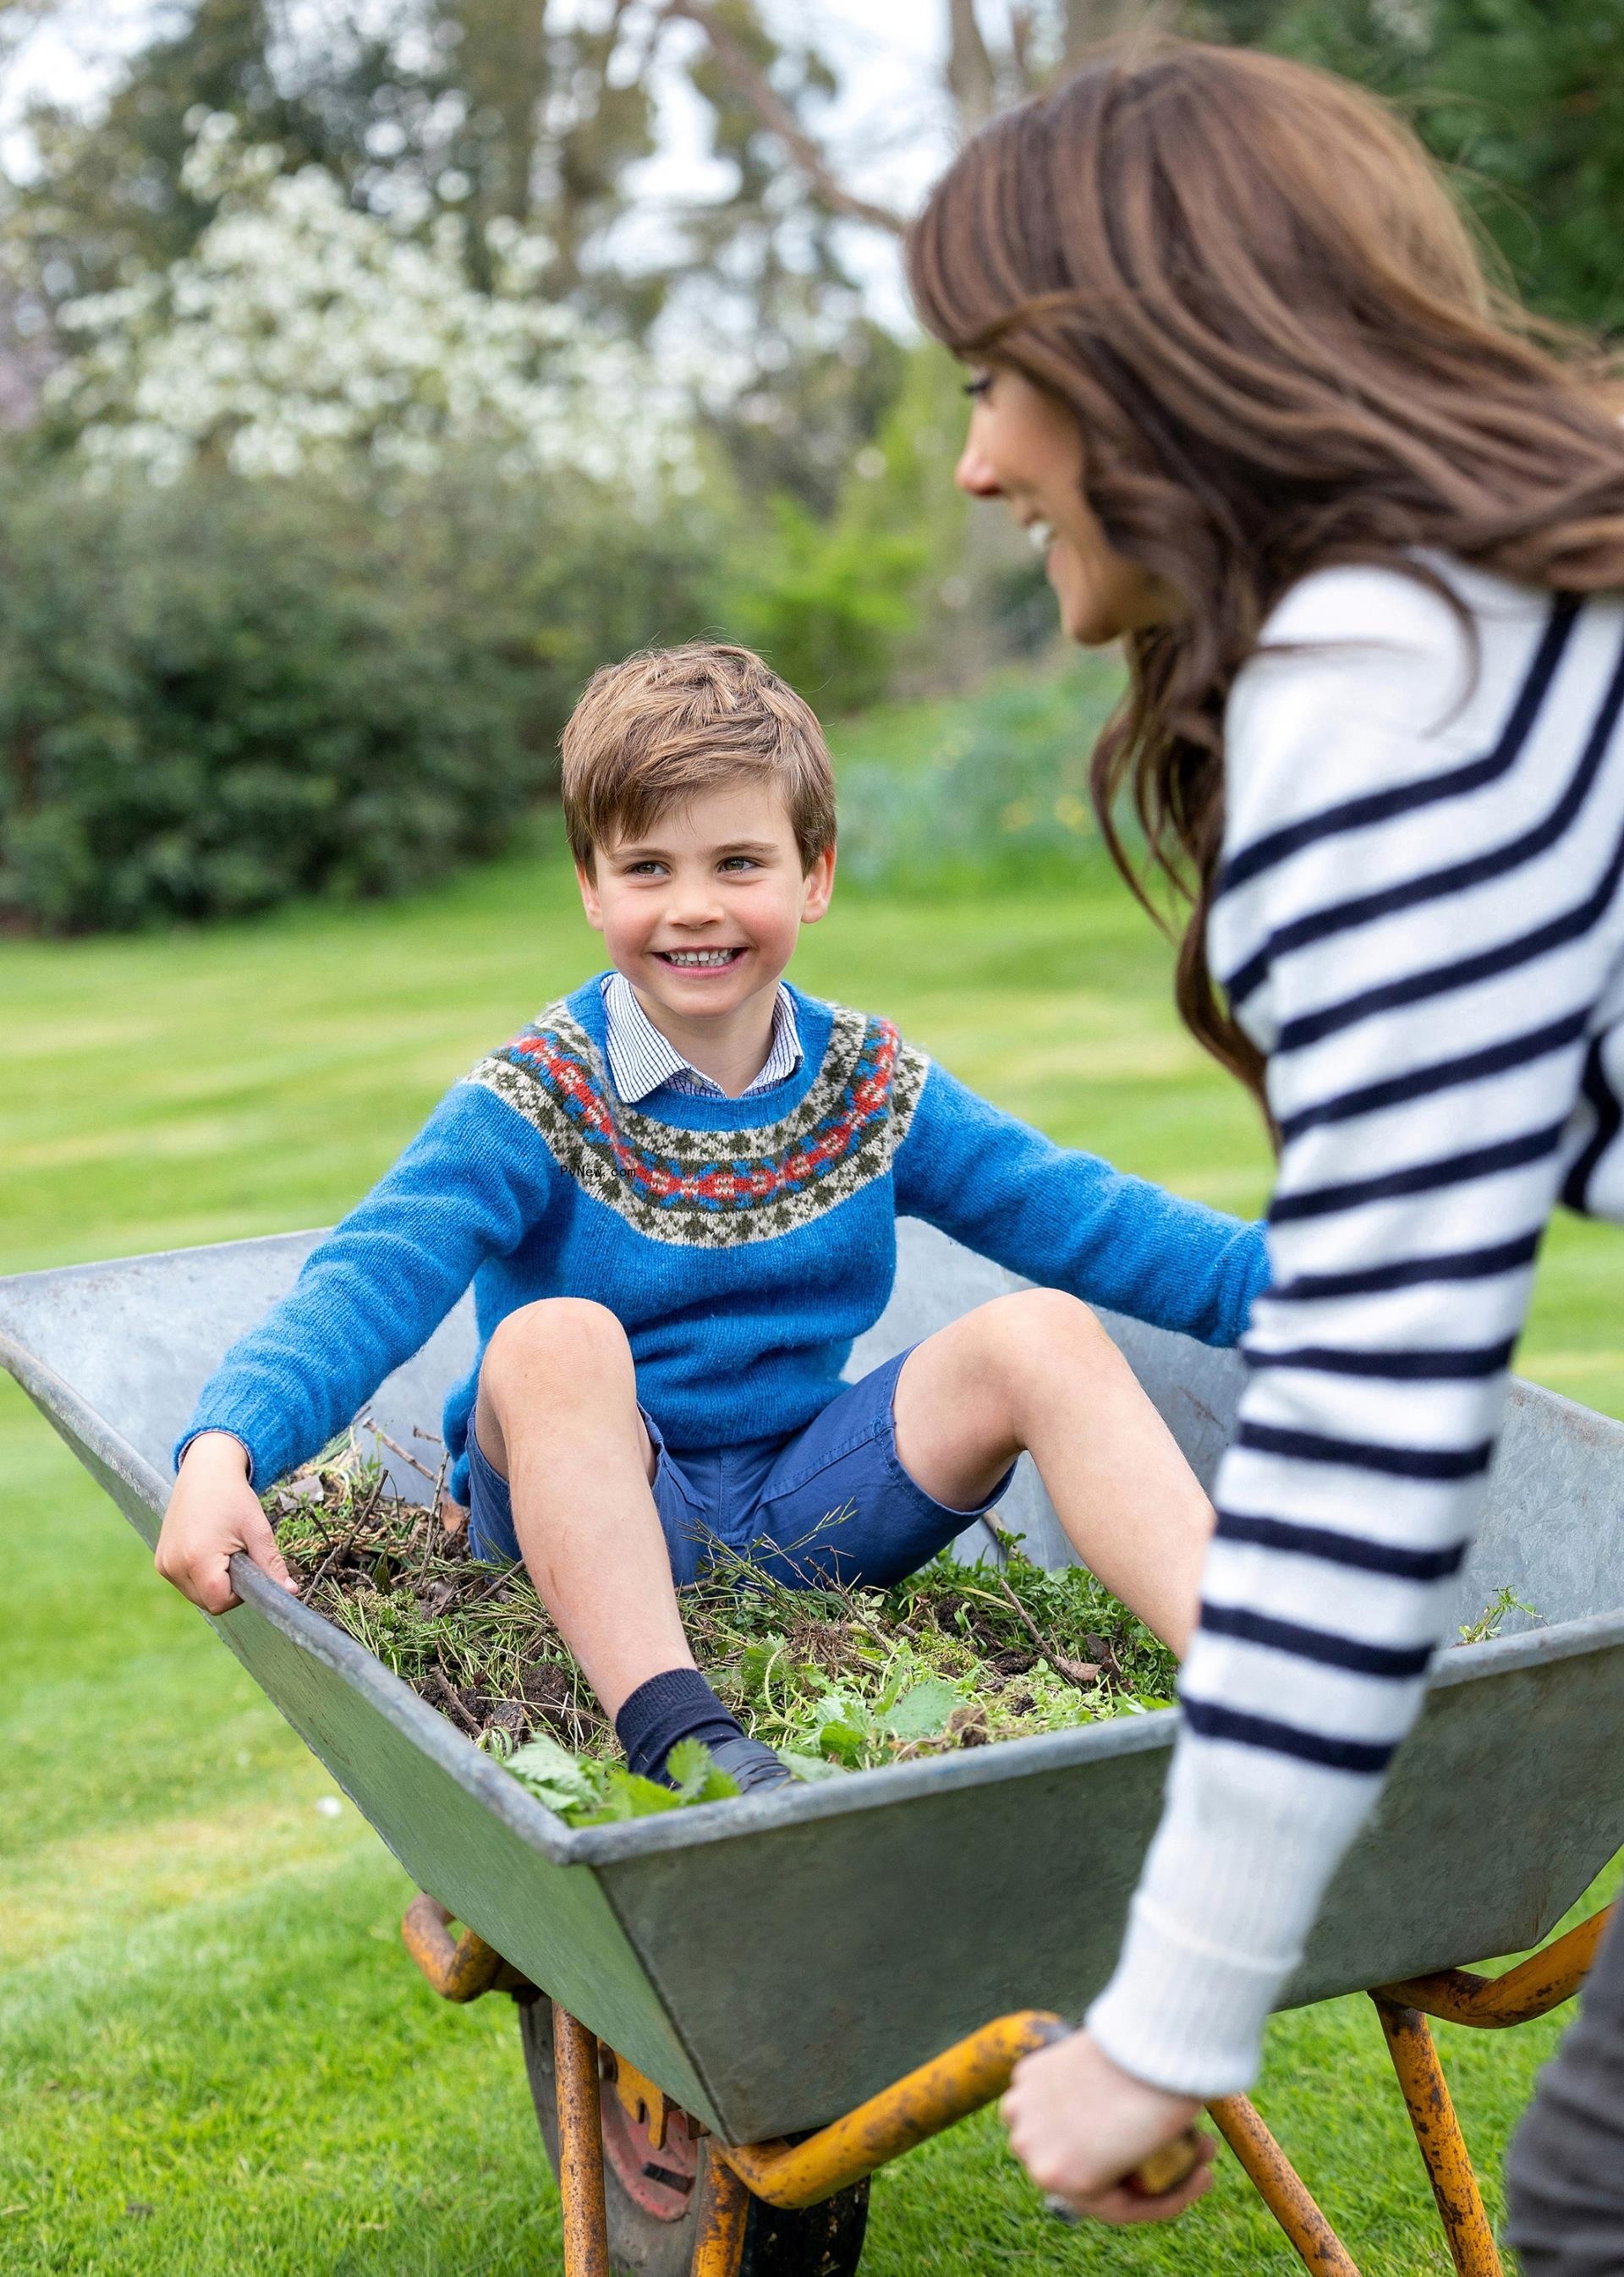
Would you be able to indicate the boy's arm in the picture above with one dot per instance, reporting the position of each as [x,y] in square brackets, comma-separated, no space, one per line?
[1069,1220]
[470,1187]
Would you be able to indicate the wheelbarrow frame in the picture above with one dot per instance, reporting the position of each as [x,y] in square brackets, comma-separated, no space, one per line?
[978,2068]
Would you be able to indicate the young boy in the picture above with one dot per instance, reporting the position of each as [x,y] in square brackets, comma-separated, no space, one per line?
[675,1195]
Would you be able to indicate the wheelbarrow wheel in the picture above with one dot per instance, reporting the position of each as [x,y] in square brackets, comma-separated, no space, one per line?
[652,2192]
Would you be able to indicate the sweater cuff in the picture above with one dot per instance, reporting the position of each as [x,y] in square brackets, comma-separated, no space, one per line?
[1232,1883]
[1185,2015]
[213,1430]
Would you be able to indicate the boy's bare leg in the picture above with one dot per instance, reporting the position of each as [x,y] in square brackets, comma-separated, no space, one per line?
[1035,1371]
[557,1415]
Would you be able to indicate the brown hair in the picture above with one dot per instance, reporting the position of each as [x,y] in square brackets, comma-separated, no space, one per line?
[671,722]
[1253,290]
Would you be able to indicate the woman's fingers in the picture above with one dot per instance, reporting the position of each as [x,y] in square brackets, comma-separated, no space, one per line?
[1081,2126]
[1122,2203]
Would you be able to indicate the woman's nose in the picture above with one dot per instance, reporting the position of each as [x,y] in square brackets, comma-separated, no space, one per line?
[974,474]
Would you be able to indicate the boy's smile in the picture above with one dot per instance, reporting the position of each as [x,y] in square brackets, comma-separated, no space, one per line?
[701,909]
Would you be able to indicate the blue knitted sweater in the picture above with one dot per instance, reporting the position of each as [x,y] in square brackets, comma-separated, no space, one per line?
[743,1244]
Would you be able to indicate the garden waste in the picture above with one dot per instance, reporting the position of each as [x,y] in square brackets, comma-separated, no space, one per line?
[835,1678]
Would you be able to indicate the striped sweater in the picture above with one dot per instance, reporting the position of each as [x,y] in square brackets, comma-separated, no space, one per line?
[1419,922]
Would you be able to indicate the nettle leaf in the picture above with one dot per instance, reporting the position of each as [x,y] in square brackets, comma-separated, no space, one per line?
[844,1708]
[627,1795]
[845,1742]
[922,1711]
[755,1661]
[553,1775]
[810,1768]
[698,1777]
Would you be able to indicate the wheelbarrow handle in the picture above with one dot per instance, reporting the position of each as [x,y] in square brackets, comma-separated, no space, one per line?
[1164,2169]
[959,2081]
[459,1968]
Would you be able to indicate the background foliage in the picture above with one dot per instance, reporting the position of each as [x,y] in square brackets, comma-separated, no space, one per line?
[1523,98]
[319,683]
[220,694]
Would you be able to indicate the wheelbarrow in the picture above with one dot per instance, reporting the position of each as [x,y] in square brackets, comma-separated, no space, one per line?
[713,2100]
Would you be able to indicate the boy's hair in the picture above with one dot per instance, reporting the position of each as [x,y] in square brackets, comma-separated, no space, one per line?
[668,723]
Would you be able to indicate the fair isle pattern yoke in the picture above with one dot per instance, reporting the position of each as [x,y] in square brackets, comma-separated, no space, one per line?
[708,1188]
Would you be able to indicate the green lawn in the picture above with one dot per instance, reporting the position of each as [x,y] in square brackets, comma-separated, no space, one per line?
[214,2055]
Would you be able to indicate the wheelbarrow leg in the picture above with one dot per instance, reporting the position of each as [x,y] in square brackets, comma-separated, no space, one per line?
[1281,2188]
[724,2212]
[580,2148]
[1438,2136]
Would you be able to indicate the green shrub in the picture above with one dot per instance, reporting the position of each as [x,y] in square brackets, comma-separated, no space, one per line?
[1001,786]
[216,696]
[827,603]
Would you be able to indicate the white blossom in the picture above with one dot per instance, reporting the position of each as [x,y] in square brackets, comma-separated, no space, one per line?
[303,334]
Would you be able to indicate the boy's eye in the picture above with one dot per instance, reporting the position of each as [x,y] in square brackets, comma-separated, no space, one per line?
[977,384]
[740,862]
[644,869]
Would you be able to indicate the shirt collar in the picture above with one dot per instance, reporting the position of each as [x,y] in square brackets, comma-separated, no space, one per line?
[641,1059]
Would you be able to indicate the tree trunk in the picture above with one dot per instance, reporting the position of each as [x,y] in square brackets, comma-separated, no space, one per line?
[971,79]
[1088,22]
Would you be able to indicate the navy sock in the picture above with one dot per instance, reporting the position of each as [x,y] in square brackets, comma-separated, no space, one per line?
[678,1704]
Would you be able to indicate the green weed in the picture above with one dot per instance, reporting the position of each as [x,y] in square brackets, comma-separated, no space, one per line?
[836,1678]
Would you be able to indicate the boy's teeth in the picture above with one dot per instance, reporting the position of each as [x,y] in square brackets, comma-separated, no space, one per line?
[1041,534]
[700,955]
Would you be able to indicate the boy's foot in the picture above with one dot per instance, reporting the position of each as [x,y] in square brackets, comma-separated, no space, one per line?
[678,1704]
[750,1763]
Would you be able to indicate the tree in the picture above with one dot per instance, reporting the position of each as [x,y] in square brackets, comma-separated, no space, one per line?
[301,332]
[1523,98]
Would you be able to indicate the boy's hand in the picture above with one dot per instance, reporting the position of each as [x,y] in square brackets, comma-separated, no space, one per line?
[213,1512]
[1080,2125]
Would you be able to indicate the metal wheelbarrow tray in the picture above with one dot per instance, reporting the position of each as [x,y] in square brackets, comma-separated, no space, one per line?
[772,1962]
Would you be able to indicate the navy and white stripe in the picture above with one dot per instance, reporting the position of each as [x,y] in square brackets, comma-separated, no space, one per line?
[1420,922]
[641,1060]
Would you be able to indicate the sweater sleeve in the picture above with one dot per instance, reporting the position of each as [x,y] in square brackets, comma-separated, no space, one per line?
[1071,1222]
[472,1183]
[1378,926]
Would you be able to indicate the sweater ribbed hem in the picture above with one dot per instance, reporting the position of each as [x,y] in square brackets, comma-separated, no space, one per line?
[1232,1882]
[1184,2015]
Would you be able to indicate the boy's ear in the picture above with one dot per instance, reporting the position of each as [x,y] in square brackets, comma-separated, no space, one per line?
[820,887]
[588,883]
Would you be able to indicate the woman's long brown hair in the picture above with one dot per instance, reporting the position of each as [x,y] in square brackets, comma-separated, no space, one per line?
[1256,293]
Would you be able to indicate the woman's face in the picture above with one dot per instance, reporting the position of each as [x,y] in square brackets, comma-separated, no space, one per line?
[1024,446]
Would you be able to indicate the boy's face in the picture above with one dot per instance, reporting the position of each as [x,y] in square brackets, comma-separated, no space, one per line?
[701,909]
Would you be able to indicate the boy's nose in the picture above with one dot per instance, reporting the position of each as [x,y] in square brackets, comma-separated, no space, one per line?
[696,907]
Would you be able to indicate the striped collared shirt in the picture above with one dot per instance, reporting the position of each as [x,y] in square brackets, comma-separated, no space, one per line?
[641,1059]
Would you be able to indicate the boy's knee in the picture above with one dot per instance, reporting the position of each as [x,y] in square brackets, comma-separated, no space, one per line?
[1032,1327]
[552,1336]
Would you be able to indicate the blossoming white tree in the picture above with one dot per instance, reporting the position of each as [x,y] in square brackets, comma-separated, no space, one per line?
[302,334]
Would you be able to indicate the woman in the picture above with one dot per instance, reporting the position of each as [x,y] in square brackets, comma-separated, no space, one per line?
[1235,365]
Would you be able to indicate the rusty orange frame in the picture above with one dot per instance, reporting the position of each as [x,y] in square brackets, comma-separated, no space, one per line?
[976,2071]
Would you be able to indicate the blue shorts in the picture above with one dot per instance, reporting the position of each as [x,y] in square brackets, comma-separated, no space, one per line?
[828,1503]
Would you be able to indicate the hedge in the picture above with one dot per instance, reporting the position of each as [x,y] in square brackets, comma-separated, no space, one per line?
[216,696]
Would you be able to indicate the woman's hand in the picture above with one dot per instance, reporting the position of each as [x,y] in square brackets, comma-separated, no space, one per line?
[212,1513]
[1080,2125]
